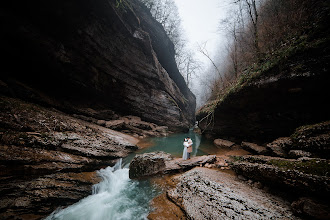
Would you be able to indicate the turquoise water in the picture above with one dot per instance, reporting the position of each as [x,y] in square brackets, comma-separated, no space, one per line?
[173,144]
[118,197]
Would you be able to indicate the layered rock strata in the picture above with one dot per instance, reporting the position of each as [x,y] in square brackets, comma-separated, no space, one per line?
[96,59]
[48,158]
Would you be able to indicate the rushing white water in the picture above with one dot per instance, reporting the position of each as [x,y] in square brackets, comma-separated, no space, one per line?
[115,197]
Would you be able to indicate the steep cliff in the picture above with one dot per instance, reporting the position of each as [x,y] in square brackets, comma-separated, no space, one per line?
[94,58]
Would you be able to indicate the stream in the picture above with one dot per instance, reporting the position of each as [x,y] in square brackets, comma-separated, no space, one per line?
[118,197]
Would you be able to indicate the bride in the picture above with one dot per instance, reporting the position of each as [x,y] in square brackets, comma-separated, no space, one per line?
[186,145]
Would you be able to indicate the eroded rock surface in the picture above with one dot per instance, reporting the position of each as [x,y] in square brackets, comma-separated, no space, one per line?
[48,158]
[208,194]
[308,176]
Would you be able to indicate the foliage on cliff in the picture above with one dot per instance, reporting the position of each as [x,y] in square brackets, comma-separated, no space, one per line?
[278,45]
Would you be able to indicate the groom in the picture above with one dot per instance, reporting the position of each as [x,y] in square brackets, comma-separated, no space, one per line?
[189,149]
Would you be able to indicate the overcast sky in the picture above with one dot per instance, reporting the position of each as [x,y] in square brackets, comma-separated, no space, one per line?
[200,21]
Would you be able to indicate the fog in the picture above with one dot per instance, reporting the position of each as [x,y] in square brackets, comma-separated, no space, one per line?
[200,21]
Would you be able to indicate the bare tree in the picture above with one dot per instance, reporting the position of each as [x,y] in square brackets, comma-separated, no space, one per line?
[202,49]
[250,7]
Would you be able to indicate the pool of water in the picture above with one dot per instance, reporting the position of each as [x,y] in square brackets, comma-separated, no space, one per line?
[173,144]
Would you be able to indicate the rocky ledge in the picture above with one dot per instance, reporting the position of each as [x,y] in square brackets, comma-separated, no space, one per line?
[134,126]
[308,176]
[47,158]
[209,194]
[160,162]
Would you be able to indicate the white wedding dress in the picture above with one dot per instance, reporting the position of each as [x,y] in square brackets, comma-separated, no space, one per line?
[185,153]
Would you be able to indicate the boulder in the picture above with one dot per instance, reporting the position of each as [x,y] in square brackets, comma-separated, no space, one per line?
[223,143]
[279,146]
[254,148]
[209,194]
[148,164]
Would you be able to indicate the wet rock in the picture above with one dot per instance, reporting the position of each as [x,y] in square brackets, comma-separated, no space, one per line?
[223,143]
[301,176]
[311,208]
[47,156]
[278,147]
[209,194]
[160,162]
[148,164]
[254,148]
[40,196]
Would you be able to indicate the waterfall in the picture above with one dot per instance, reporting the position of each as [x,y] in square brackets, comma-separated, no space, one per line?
[115,197]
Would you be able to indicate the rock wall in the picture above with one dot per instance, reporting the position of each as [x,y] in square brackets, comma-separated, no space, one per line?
[98,59]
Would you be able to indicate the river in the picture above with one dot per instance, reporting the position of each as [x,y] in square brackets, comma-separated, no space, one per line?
[118,197]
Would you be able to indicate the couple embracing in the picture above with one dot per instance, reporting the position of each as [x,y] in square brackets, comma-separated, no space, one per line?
[187,143]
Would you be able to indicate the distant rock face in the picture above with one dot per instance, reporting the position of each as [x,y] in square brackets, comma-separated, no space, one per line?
[95,59]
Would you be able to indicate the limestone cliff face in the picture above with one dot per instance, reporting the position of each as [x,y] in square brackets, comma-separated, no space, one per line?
[96,58]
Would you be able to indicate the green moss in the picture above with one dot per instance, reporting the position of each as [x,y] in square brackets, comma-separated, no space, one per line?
[315,167]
